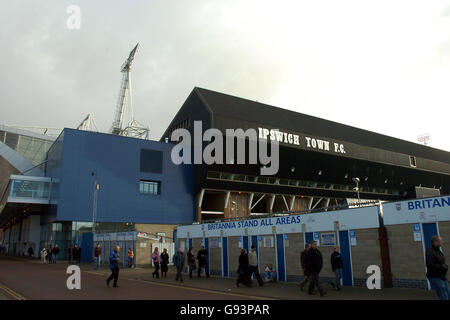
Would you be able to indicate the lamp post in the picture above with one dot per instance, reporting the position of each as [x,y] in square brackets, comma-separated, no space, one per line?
[94,205]
[356,181]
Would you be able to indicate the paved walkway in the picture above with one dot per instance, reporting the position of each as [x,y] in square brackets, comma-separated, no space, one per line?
[137,283]
[279,290]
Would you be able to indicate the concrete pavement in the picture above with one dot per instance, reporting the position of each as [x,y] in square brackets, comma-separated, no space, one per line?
[38,281]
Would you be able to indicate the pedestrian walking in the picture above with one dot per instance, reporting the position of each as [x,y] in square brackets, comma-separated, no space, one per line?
[201,257]
[30,252]
[50,254]
[178,261]
[97,256]
[78,254]
[70,254]
[130,257]
[156,261]
[306,274]
[243,270]
[314,264]
[114,259]
[437,269]
[164,263]
[43,255]
[336,266]
[55,253]
[191,261]
[253,262]
[75,254]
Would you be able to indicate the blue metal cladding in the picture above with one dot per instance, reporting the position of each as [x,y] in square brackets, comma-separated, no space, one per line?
[429,230]
[225,256]
[207,256]
[281,272]
[309,238]
[79,158]
[344,245]
[245,239]
[87,247]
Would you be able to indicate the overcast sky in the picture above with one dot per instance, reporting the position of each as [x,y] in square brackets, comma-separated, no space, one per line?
[378,65]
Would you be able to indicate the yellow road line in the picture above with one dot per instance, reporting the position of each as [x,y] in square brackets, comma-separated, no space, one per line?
[190,288]
[12,293]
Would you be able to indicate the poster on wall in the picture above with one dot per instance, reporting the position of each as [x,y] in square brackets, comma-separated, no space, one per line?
[286,240]
[316,238]
[328,239]
[268,241]
[241,242]
[220,242]
[214,243]
[352,235]
[417,232]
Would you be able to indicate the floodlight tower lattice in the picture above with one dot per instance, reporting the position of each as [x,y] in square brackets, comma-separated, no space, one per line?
[133,128]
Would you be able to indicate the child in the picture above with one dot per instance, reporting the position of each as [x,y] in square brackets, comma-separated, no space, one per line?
[271,273]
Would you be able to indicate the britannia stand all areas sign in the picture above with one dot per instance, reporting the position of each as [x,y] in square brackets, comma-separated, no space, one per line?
[358,218]
[417,211]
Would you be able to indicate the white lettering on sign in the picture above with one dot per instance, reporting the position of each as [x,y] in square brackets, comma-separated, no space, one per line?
[291,138]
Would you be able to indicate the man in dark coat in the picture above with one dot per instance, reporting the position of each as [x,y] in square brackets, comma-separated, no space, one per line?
[336,266]
[178,261]
[243,270]
[303,264]
[201,257]
[55,253]
[70,254]
[314,264]
[437,269]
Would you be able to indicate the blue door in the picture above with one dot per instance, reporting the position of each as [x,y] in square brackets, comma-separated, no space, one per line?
[281,271]
[245,239]
[87,247]
[225,256]
[175,239]
[309,237]
[344,245]
[429,230]
[207,255]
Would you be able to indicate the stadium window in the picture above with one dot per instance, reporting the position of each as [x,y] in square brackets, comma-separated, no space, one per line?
[149,187]
[412,161]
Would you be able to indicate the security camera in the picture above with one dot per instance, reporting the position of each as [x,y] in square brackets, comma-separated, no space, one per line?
[356,180]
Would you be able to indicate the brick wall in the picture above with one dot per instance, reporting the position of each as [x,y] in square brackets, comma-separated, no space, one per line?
[233,255]
[407,261]
[366,252]
[215,261]
[266,255]
[296,246]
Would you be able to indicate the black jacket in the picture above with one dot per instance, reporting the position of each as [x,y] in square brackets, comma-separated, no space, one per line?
[201,256]
[336,261]
[435,260]
[164,258]
[303,259]
[243,264]
[313,260]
